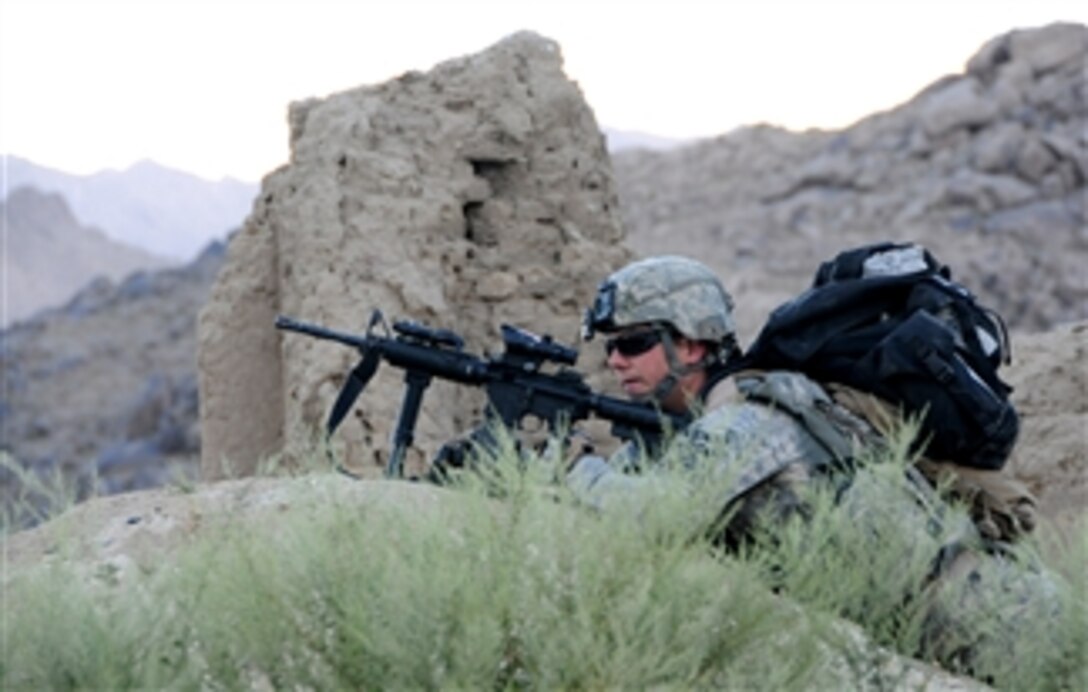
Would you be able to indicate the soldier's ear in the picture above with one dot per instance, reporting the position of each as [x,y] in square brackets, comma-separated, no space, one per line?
[690,351]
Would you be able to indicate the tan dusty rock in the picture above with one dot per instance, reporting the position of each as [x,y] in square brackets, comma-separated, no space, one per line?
[452,197]
[960,104]
[1049,376]
[497,286]
[139,530]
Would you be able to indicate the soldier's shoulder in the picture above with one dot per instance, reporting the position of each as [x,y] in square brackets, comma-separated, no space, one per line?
[745,420]
[792,390]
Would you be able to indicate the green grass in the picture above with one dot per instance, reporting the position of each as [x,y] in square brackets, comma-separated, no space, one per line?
[1009,620]
[28,498]
[506,583]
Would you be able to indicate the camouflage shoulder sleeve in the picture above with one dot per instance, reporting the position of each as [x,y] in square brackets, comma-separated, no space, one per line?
[841,432]
[747,444]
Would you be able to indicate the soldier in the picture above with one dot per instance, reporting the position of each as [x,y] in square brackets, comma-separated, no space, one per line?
[672,341]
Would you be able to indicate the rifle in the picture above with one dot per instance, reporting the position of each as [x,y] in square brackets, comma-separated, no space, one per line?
[515,384]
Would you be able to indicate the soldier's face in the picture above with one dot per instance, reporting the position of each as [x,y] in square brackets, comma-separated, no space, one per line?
[638,359]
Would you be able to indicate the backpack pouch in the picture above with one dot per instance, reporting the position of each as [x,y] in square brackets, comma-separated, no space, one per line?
[919,366]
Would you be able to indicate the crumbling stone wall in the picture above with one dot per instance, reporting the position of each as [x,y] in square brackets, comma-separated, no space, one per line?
[476,194]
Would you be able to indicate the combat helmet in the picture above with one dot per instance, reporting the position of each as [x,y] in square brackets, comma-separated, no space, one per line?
[665,290]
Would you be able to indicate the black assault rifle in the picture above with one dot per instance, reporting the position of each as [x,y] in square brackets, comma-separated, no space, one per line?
[515,384]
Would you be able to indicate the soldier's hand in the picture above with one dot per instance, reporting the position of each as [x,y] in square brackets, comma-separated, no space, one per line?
[566,450]
[460,453]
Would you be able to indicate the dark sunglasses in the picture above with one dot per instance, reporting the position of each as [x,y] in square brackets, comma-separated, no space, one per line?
[630,345]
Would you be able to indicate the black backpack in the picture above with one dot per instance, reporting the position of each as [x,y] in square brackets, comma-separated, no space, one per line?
[887,319]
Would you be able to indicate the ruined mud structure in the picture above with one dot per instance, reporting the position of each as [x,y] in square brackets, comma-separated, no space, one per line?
[476,194]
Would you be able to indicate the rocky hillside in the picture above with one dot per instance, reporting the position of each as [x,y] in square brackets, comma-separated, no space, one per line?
[988,168]
[166,212]
[49,255]
[104,388]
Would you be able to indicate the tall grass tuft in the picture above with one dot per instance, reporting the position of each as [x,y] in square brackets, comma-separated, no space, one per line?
[907,567]
[503,582]
[29,497]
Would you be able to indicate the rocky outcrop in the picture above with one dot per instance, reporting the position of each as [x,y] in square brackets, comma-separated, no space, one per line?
[476,194]
[988,168]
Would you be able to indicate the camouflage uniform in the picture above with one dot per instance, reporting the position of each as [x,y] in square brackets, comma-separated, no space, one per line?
[784,431]
[763,456]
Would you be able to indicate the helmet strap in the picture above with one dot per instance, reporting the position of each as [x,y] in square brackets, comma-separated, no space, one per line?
[677,369]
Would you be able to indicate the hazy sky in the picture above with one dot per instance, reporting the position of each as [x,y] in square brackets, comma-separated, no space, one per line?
[203,85]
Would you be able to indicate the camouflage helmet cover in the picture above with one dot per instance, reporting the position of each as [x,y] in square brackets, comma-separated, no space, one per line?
[668,289]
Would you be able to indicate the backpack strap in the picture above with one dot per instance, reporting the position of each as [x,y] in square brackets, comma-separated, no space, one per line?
[879,413]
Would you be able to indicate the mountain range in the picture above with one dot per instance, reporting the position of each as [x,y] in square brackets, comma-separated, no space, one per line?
[166,212]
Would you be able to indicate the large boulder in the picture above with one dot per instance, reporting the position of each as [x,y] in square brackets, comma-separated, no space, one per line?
[476,194]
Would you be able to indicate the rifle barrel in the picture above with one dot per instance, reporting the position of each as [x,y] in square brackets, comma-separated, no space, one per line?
[317,331]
